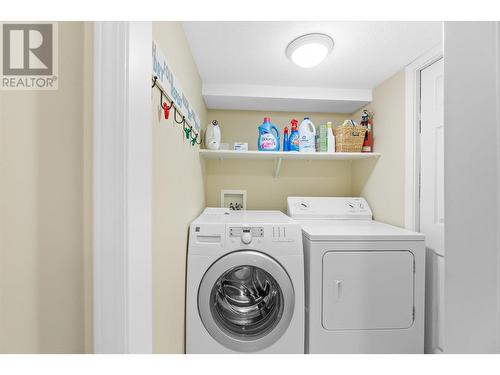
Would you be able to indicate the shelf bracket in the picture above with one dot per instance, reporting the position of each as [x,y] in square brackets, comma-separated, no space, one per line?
[277,167]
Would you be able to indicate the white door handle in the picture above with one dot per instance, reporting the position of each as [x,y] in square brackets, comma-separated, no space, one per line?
[338,289]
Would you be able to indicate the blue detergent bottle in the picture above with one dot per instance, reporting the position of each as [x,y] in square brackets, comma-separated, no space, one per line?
[293,142]
[267,140]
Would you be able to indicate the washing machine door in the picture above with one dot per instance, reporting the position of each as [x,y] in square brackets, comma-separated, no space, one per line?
[246,301]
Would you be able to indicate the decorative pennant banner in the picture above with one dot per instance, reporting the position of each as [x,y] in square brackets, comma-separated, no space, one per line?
[167,80]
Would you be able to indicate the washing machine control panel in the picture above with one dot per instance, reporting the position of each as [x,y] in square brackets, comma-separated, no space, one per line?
[246,233]
[253,231]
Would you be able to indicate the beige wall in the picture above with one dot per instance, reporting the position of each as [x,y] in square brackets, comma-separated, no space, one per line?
[264,192]
[382,182]
[178,194]
[41,210]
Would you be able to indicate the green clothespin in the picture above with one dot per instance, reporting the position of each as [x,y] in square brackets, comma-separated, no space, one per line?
[188,132]
[193,140]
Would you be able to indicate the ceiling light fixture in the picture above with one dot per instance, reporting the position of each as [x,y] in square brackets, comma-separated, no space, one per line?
[309,50]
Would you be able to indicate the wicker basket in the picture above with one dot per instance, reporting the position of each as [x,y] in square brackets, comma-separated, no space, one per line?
[349,138]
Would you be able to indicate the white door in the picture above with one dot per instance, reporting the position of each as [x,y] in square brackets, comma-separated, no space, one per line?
[367,290]
[432,199]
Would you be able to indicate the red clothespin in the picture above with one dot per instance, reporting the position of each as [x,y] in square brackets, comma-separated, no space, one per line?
[166,110]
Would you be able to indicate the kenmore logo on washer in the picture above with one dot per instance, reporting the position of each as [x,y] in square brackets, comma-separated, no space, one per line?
[29,56]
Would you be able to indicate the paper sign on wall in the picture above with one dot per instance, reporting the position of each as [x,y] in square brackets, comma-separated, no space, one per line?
[166,78]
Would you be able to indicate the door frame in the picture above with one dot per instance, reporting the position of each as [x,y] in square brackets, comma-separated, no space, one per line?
[122,187]
[412,135]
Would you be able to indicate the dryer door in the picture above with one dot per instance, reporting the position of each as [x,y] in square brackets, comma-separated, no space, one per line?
[368,290]
[246,301]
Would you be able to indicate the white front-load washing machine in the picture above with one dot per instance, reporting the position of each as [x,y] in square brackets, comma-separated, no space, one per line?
[364,279]
[245,283]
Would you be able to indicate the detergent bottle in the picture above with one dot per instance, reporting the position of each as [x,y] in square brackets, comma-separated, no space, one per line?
[267,140]
[286,143]
[307,136]
[293,140]
[330,143]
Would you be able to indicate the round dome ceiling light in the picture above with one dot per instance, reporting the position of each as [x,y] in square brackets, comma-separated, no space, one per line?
[309,50]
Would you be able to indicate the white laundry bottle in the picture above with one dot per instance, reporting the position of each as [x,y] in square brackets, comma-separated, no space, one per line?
[307,136]
[330,138]
[212,136]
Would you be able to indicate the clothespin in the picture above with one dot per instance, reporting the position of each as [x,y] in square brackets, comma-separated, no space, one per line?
[166,110]
[188,132]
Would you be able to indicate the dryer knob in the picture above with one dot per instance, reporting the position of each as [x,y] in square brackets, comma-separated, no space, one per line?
[246,238]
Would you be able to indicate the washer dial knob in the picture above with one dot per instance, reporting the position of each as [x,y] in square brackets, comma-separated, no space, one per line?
[246,238]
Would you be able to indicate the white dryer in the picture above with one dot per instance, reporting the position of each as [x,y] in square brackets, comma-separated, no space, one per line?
[245,283]
[364,279]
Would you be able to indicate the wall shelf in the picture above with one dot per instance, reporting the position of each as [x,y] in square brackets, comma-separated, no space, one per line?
[279,156]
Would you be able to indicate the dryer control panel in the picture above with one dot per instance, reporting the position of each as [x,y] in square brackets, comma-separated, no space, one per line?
[340,208]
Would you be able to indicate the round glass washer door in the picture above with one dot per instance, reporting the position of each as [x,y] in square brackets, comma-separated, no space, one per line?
[246,301]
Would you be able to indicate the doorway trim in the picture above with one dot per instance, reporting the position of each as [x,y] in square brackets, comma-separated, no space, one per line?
[412,131]
[122,165]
